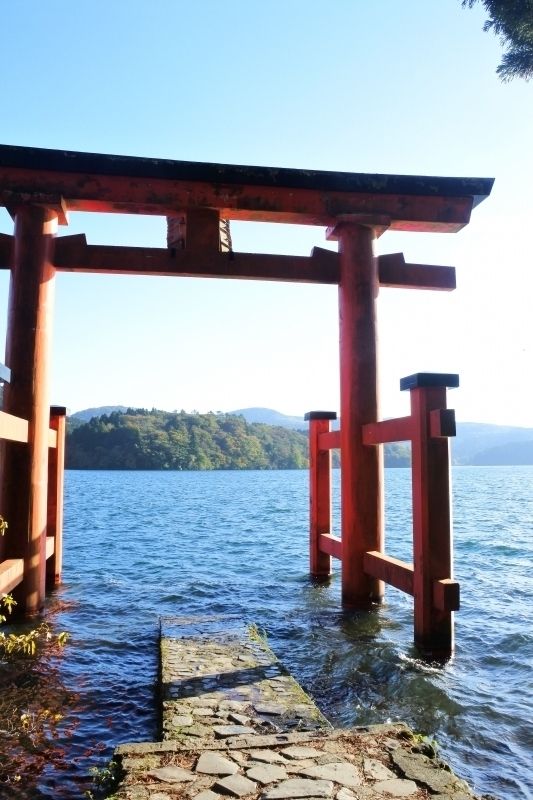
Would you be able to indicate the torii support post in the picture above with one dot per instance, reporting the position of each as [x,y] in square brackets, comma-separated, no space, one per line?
[28,345]
[361,467]
[435,592]
[319,492]
[56,473]
[430,578]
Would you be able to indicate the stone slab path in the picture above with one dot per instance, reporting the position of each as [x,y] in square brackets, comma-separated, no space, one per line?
[235,724]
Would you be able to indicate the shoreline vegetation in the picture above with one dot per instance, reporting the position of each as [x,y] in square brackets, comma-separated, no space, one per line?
[138,439]
[121,438]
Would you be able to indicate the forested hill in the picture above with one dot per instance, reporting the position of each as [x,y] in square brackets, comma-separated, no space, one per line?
[140,439]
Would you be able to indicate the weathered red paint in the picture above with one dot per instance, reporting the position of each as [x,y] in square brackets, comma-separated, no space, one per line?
[11,574]
[90,182]
[28,344]
[361,467]
[13,428]
[436,594]
[56,469]
[390,570]
[331,544]
[73,254]
[330,440]
[124,195]
[319,495]
[446,594]
[388,430]
[40,186]
[432,536]
[394,272]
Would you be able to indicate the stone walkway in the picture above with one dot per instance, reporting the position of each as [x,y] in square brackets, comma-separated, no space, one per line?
[237,725]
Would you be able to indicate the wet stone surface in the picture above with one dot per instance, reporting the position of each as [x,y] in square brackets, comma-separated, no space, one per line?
[234,686]
[236,725]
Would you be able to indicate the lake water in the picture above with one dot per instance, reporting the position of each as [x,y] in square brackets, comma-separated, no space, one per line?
[139,545]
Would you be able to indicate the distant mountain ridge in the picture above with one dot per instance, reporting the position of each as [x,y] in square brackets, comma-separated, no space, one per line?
[270,417]
[88,413]
[476,443]
[476,440]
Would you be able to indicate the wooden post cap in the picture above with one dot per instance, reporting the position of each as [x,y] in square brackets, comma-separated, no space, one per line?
[311,415]
[427,379]
[5,373]
[58,411]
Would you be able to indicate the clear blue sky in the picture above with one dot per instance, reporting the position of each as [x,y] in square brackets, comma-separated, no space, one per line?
[384,86]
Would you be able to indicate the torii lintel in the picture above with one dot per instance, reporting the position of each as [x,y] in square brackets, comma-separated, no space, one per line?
[74,181]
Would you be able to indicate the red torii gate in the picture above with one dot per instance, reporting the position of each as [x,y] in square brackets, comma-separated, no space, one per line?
[39,187]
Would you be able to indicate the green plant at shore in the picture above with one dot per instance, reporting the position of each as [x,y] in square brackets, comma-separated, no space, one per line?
[32,700]
[105,781]
[257,634]
[32,705]
[425,745]
[26,643]
[23,643]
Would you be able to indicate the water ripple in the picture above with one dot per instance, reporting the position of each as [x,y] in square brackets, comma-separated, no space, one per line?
[142,545]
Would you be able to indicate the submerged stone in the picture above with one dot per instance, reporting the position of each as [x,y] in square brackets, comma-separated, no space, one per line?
[293,764]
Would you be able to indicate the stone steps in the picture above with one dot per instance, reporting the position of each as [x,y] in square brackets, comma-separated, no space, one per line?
[235,724]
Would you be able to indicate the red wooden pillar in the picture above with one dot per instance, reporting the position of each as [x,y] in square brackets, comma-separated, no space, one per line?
[28,355]
[319,491]
[432,531]
[5,377]
[56,472]
[361,466]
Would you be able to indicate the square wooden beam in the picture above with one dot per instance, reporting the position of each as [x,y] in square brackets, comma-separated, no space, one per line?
[123,184]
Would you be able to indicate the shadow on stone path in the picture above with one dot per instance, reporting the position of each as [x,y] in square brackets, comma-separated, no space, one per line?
[235,724]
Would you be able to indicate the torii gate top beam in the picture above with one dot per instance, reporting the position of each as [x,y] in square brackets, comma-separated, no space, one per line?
[124,184]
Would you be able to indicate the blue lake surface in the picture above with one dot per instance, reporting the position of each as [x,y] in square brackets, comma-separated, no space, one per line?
[139,545]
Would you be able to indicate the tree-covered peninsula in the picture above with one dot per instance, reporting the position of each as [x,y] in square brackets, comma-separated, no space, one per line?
[141,439]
